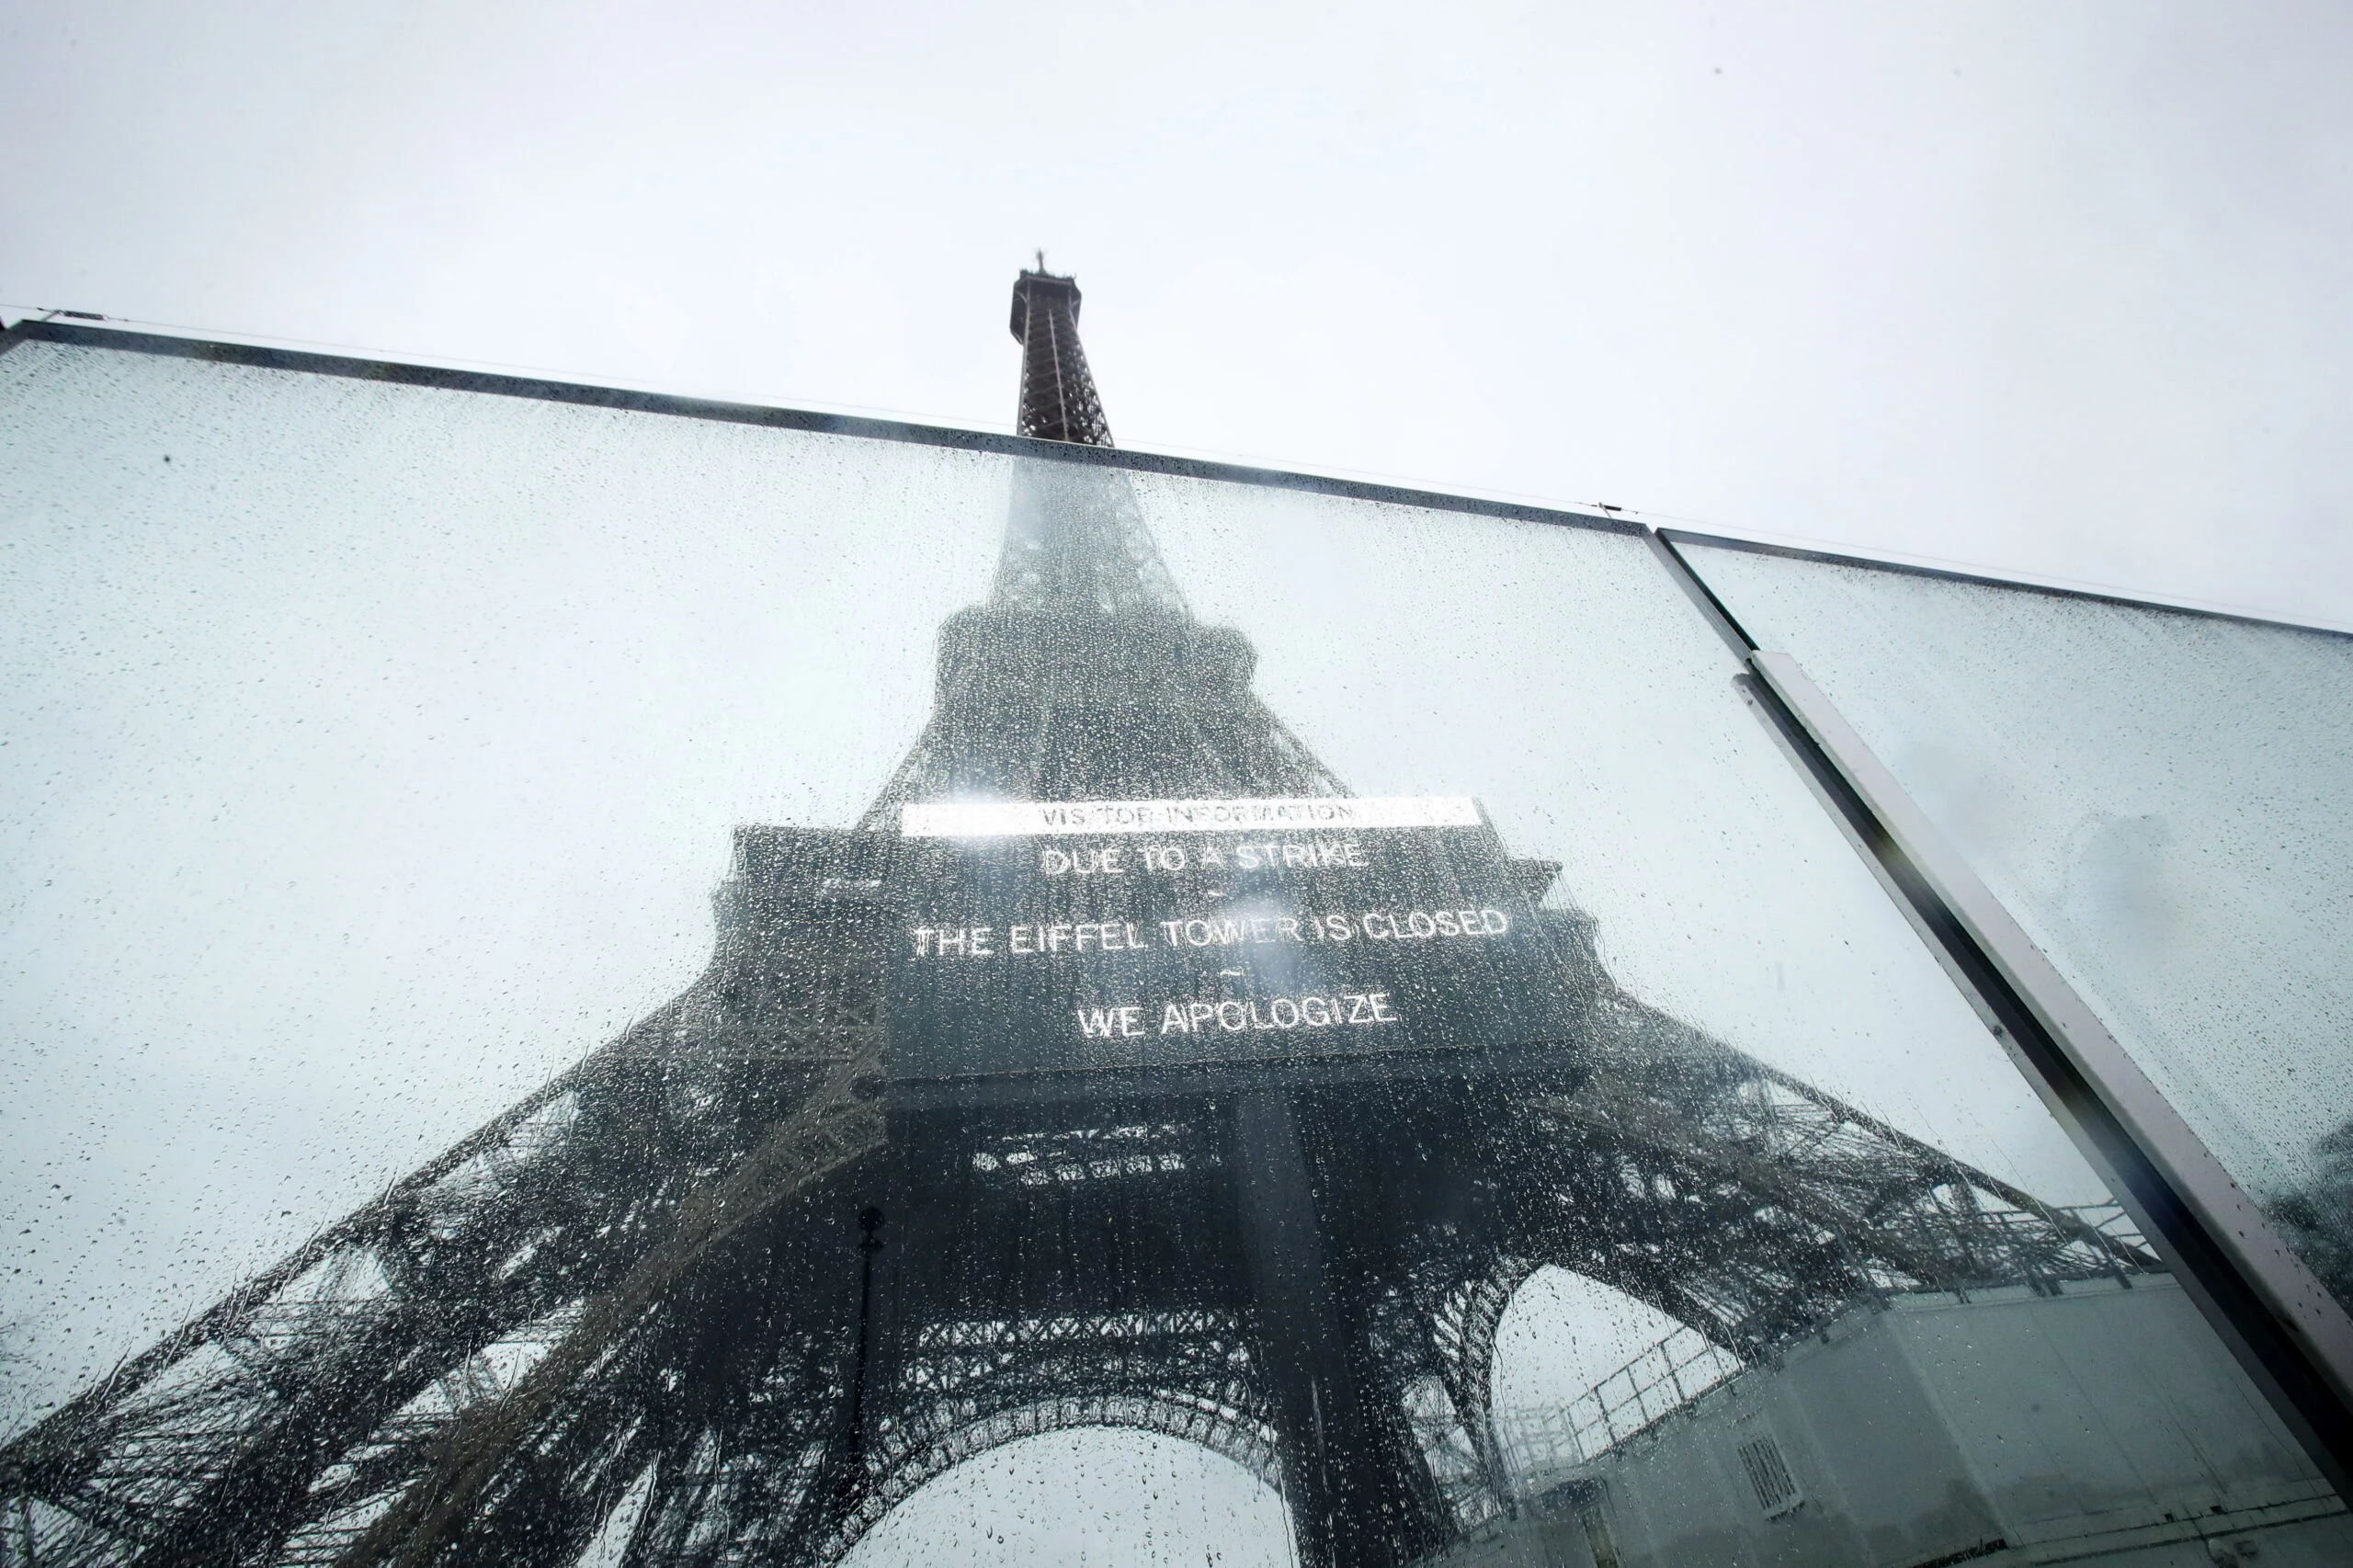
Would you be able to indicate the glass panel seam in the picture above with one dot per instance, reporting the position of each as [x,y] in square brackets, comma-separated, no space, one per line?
[2291,1334]
[2286,1329]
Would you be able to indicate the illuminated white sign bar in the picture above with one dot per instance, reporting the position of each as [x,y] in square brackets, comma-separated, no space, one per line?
[1027,819]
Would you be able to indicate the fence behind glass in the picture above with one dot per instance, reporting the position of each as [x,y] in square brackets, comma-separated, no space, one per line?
[1340,1039]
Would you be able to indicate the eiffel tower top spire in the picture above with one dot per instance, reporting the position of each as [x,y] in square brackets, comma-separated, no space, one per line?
[1058,398]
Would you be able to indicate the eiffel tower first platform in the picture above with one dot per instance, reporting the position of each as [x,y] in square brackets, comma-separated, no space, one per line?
[1119,1068]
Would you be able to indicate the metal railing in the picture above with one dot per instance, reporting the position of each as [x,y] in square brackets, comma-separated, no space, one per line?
[1541,1446]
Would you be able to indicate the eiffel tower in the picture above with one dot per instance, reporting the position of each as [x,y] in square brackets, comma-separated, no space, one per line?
[855,1208]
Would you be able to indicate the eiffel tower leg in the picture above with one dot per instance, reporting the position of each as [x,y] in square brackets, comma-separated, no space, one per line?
[1354,1489]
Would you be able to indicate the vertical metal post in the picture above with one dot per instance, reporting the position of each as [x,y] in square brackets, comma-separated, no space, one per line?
[853,1476]
[1350,1493]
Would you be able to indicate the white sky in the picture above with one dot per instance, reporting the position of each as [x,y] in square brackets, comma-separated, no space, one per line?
[2053,289]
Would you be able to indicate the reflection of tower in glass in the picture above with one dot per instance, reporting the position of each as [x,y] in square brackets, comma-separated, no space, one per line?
[638,1309]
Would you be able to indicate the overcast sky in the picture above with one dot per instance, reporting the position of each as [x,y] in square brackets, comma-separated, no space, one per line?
[2055,290]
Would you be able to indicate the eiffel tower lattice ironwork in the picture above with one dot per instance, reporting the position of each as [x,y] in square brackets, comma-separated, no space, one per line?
[736,1284]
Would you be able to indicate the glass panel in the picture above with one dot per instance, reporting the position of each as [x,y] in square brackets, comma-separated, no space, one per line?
[1245,1026]
[2160,798]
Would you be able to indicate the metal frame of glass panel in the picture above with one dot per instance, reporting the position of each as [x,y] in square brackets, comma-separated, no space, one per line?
[2011,584]
[2284,1327]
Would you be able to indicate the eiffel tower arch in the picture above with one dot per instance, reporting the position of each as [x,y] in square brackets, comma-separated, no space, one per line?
[861,1204]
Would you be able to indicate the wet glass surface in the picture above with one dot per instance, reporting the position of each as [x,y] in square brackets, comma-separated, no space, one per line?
[1243,1025]
[2160,798]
